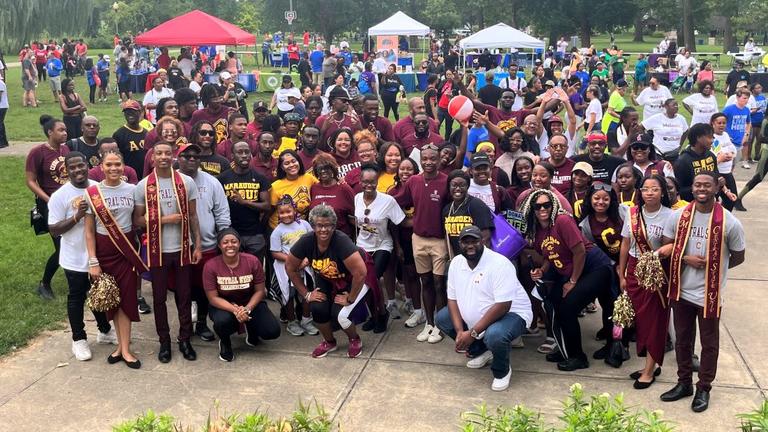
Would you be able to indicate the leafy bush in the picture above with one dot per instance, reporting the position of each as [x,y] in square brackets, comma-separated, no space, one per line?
[756,420]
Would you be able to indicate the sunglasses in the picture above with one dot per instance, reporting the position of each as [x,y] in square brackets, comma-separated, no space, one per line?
[189,156]
[538,206]
[422,122]
[366,213]
[206,133]
[640,147]
[430,147]
[600,186]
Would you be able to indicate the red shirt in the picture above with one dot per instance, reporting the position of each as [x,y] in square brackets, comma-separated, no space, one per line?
[305,38]
[341,198]
[345,122]
[427,197]
[40,56]
[445,96]
[236,285]
[405,126]
[97,174]
[562,179]
[383,128]
[346,164]
[306,159]
[219,120]
[224,148]
[268,170]
[293,51]
[48,166]
[556,243]
[254,129]
[411,141]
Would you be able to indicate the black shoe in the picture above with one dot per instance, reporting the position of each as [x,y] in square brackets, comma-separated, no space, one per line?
[136,364]
[740,207]
[668,345]
[113,360]
[573,364]
[601,334]
[637,374]
[44,291]
[696,363]
[143,306]
[602,353]
[639,385]
[555,357]
[251,339]
[700,401]
[164,355]
[370,324]
[225,350]
[678,392]
[202,330]
[187,351]
[381,323]
[283,315]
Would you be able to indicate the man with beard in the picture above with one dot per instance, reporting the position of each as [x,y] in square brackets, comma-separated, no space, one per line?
[341,116]
[375,123]
[88,144]
[603,165]
[260,111]
[310,136]
[487,306]
[130,137]
[421,135]
[238,132]
[405,125]
[558,148]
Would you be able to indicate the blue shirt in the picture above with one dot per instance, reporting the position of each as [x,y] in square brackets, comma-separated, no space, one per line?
[738,118]
[316,59]
[102,66]
[475,136]
[53,67]
[641,68]
[584,78]
[759,115]
[347,57]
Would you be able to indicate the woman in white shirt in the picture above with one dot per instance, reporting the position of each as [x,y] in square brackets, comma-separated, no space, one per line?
[668,129]
[594,112]
[702,104]
[652,98]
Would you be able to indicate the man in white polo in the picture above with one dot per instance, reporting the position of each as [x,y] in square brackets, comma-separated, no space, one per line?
[488,303]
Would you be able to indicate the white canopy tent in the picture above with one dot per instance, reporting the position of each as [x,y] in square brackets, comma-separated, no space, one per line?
[399,24]
[499,36]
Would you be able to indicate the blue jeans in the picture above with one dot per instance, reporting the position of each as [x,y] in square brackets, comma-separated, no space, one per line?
[497,338]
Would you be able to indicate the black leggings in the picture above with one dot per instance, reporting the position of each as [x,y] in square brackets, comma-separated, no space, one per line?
[262,322]
[41,72]
[53,261]
[443,116]
[79,285]
[92,94]
[389,100]
[730,183]
[74,126]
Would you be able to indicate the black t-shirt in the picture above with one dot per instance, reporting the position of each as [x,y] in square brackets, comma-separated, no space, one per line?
[246,220]
[473,212]
[451,61]
[91,152]
[214,164]
[176,78]
[430,94]
[603,169]
[131,145]
[328,265]
[490,94]
[733,78]
[304,67]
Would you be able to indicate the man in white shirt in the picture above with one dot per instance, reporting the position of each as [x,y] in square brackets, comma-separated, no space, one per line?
[66,210]
[517,84]
[562,46]
[487,306]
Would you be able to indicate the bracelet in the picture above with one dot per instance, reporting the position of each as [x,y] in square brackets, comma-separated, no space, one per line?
[572,281]
[306,297]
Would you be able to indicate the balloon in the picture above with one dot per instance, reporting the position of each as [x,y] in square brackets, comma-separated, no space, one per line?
[460,108]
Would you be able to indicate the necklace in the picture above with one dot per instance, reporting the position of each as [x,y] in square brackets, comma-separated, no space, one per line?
[452,211]
[649,215]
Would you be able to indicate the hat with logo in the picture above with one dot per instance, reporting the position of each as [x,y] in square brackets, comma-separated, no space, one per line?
[584,167]
[471,231]
[480,159]
[130,104]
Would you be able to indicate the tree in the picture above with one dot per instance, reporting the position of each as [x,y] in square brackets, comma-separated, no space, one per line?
[22,21]
[327,17]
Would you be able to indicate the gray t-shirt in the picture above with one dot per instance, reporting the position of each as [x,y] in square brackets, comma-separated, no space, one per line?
[654,229]
[692,279]
[119,200]
[168,206]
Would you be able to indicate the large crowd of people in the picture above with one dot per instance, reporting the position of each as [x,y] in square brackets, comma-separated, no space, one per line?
[350,222]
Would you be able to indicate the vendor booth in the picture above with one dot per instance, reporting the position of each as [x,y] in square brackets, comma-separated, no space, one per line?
[397,25]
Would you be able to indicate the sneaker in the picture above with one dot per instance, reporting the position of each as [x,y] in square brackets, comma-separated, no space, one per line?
[591,308]
[324,348]
[393,310]
[434,335]
[45,292]
[225,350]
[424,335]
[480,361]
[294,328]
[517,343]
[251,339]
[202,330]
[309,327]
[408,306]
[534,332]
[355,348]
[370,324]
[417,318]
[194,311]
[501,384]
[143,306]
[81,350]
[283,317]
[746,165]
[109,337]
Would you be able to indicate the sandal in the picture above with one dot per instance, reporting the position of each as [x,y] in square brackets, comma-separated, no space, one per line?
[549,346]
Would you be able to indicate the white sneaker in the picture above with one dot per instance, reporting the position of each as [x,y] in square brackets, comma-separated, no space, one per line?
[394,311]
[434,335]
[81,350]
[501,384]
[309,327]
[416,318]
[481,360]
[408,306]
[194,311]
[424,335]
[517,342]
[746,165]
[294,328]
[109,337]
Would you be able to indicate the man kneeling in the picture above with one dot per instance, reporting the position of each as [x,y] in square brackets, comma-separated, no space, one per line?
[487,302]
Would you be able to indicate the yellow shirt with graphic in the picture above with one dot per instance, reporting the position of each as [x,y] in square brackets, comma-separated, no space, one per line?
[298,189]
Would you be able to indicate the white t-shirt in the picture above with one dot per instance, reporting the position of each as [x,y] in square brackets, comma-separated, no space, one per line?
[379,65]
[653,100]
[187,66]
[687,65]
[562,46]
[516,84]
[3,95]
[703,107]
[594,107]
[666,131]
[153,97]
[482,192]
[654,229]
[723,144]
[285,236]
[63,205]
[493,280]
[281,96]
[373,228]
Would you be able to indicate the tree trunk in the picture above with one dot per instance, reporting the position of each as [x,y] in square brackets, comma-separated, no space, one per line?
[688,36]
[639,27]
[729,40]
[585,31]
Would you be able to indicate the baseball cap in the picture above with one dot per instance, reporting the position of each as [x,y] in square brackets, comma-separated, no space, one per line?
[187,146]
[549,83]
[294,92]
[287,78]
[130,104]
[293,117]
[106,57]
[225,75]
[584,167]
[480,159]
[555,119]
[471,231]
[260,106]
[621,83]
[644,138]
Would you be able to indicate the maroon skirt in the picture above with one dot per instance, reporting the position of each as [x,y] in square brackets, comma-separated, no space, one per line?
[115,264]
[651,316]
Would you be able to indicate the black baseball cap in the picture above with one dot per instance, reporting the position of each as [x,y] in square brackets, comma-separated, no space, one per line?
[471,231]
[260,106]
[480,159]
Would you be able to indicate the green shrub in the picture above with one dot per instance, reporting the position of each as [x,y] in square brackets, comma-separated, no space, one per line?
[756,420]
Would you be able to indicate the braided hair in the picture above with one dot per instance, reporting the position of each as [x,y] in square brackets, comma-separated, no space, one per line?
[288,200]
[529,218]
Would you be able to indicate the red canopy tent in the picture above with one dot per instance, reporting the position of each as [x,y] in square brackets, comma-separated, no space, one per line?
[193,29]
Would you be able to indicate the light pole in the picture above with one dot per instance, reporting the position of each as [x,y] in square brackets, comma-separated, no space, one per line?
[115,7]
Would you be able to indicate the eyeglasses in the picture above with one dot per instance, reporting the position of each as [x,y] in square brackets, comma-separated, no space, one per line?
[421,122]
[650,190]
[324,227]
[546,205]
[190,156]
[206,132]
[640,147]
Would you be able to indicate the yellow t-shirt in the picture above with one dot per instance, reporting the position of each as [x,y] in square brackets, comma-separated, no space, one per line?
[298,189]
[386,182]
[146,124]
[679,204]
[285,144]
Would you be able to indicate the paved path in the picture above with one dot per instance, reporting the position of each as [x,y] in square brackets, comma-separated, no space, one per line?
[397,384]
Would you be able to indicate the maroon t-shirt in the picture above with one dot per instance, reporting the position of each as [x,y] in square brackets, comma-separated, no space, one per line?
[268,170]
[48,165]
[345,122]
[348,163]
[405,126]
[497,115]
[339,196]
[427,197]
[219,120]
[562,179]
[253,129]
[307,159]
[383,126]
[411,141]
[129,175]
[235,285]
[607,236]
[224,148]
[556,243]
[353,179]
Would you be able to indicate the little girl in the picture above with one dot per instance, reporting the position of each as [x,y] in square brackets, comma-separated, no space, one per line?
[287,232]
[627,178]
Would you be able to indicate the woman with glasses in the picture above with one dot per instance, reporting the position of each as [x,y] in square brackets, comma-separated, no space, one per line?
[541,178]
[293,180]
[203,134]
[642,155]
[365,147]
[464,210]
[512,147]
[171,132]
[642,232]
[331,192]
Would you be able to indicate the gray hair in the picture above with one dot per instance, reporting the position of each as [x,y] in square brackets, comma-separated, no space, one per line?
[322,211]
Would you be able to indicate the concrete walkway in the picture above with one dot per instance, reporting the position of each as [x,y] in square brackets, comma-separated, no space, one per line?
[397,384]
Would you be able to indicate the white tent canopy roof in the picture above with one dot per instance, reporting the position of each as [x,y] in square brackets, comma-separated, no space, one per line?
[399,24]
[500,36]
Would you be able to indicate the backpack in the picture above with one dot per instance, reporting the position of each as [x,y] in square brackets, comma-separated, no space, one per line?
[363,86]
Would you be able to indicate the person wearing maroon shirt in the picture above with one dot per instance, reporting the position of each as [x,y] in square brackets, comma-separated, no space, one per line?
[238,132]
[499,114]
[171,132]
[165,107]
[260,111]
[558,148]
[520,181]
[421,135]
[310,136]
[365,145]
[428,193]
[186,102]
[214,111]
[344,151]
[375,123]
[263,162]
[234,285]
[405,125]
[46,173]
[331,192]
[341,116]
[202,134]
[164,60]
[108,145]
[577,270]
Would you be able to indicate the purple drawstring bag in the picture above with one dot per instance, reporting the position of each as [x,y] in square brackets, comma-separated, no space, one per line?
[505,238]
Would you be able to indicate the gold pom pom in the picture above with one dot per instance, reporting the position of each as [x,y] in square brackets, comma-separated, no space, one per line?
[623,312]
[104,294]
[649,273]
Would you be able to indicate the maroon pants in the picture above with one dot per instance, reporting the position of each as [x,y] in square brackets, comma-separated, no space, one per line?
[182,295]
[685,316]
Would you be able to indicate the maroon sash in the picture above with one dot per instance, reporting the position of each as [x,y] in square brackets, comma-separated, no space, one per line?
[637,227]
[154,225]
[116,235]
[714,256]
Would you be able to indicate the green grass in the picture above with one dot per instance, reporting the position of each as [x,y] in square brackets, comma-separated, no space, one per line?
[22,258]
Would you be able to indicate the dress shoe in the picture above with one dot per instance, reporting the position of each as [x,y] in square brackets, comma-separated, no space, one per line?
[700,401]
[114,359]
[187,351]
[678,392]
[639,385]
[44,291]
[164,355]
[555,357]
[202,330]
[637,374]
[740,207]
[573,364]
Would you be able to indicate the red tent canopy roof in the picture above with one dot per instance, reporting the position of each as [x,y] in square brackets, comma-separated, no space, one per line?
[193,29]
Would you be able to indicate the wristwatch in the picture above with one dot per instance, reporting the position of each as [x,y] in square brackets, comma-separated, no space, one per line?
[474,334]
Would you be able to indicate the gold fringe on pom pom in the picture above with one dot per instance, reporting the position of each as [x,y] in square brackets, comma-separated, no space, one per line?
[104,294]
[623,312]
[649,273]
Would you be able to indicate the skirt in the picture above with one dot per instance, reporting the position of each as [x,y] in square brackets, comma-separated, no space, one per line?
[115,264]
[651,316]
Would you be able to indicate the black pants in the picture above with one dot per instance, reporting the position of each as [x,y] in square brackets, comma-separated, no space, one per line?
[3,136]
[92,94]
[41,72]
[443,116]
[389,100]
[79,285]
[265,58]
[381,261]
[53,261]
[262,322]
[730,183]
[74,126]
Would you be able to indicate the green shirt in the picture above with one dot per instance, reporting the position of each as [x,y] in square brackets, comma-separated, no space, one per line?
[618,64]
[603,75]
[617,102]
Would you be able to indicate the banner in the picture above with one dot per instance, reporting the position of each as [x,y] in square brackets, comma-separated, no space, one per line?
[387,44]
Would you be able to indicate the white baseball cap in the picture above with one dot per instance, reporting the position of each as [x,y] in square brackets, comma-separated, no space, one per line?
[225,75]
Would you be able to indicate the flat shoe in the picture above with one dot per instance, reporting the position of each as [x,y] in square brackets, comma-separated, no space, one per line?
[639,385]
[113,360]
[636,374]
[136,364]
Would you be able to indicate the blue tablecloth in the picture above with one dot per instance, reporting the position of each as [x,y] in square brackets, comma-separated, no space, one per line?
[413,81]
[137,81]
[497,78]
[405,61]
[283,62]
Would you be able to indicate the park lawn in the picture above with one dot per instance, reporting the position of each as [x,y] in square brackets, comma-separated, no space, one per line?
[22,257]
